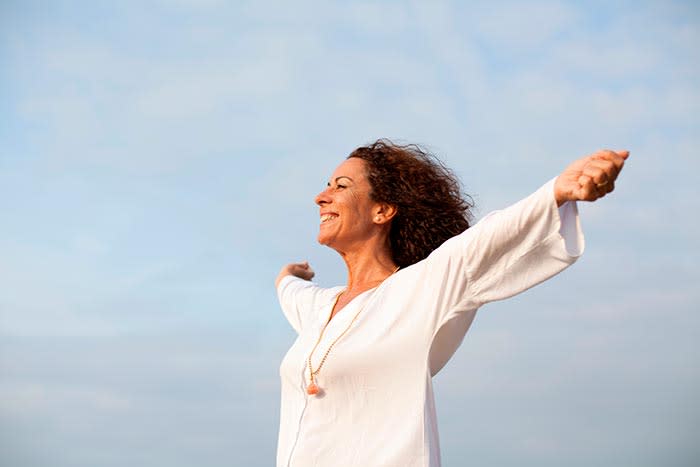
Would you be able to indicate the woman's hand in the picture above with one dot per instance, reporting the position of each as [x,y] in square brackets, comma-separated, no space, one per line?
[589,178]
[301,270]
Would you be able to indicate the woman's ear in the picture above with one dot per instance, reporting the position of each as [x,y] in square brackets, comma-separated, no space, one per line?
[384,213]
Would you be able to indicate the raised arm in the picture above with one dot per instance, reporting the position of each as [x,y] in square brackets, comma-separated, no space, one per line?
[525,244]
[301,270]
[300,299]
[518,247]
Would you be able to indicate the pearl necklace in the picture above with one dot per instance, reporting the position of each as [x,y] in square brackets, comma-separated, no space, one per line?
[312,388]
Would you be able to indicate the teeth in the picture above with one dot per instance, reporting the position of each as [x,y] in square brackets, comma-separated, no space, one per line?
[327,217]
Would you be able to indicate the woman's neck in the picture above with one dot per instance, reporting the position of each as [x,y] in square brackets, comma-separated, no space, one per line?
[368,269]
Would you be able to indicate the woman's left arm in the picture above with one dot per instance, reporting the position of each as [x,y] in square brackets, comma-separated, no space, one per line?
[538,237]
[520,246]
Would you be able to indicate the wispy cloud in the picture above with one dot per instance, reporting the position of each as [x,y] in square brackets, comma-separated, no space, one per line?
[160,162]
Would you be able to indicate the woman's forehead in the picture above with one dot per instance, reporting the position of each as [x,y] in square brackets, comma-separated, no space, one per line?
[353,168]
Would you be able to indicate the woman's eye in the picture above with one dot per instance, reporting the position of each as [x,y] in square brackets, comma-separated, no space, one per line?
[340,186]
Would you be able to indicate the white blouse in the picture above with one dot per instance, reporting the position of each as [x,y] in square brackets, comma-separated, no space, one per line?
[376,405]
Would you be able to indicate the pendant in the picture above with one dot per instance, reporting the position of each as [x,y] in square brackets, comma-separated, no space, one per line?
[312,389]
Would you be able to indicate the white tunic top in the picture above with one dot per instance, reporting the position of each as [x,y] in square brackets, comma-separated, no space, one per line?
[376,407]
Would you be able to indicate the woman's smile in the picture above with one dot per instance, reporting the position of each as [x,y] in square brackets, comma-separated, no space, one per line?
[327,217]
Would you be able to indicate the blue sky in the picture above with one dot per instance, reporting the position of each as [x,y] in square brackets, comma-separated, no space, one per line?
[158,165]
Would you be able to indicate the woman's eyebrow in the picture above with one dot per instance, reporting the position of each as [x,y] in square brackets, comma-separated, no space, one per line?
[342,176]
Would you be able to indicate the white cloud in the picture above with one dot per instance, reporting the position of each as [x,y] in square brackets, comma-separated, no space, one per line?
[375,17]
[517,25]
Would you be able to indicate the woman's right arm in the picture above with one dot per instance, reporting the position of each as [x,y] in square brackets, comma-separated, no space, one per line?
[299,298]
[301,270]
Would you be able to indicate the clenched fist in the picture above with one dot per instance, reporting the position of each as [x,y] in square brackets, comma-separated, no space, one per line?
[589,178]
[302,270]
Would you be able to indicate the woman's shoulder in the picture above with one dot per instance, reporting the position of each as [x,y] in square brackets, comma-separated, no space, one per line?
[293,284]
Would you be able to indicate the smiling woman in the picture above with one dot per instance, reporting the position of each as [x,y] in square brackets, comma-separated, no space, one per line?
[357,383]
[348,214]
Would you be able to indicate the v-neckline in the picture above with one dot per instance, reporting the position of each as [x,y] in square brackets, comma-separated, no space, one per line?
[331,316]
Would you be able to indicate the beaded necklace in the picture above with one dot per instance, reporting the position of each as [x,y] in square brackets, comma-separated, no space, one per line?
[313,388]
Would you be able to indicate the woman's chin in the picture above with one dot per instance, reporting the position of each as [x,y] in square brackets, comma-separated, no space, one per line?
[328,240]
[323,239]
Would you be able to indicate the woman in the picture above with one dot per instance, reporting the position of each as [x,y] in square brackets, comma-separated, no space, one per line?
[357,383]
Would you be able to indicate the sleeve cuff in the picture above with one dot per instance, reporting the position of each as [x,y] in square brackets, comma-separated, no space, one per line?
[569,224]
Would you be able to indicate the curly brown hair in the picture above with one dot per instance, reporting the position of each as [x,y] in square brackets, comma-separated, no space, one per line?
[428,196]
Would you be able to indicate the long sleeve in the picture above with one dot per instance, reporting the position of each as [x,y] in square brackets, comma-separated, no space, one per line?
[521,246]
[302,300]
[504,254]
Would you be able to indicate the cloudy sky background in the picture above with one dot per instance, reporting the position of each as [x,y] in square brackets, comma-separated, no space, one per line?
[158,165]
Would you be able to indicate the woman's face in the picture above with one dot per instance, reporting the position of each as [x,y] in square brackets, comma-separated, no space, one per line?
[348,214]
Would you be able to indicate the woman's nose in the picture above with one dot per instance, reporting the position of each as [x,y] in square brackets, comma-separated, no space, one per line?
[322,198]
